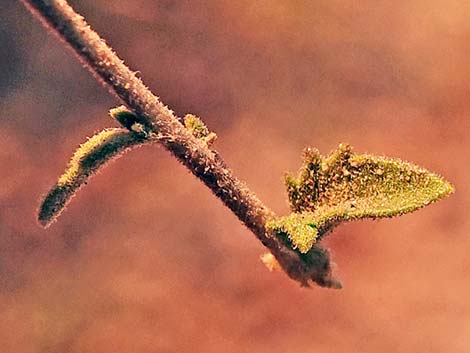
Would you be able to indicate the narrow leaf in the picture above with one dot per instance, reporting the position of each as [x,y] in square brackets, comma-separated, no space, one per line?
[89,157]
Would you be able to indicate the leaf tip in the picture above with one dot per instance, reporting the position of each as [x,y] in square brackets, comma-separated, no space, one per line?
[53,204]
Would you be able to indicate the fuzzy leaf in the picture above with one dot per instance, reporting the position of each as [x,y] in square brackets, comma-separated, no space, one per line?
[89,157]
[346,186]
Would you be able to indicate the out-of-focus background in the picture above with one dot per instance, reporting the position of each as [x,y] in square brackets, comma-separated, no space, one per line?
[146,259]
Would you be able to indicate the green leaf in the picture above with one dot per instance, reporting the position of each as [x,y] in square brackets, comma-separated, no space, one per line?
[106,145]
[346,186]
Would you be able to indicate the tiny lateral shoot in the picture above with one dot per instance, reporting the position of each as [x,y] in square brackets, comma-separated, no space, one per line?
[328,191]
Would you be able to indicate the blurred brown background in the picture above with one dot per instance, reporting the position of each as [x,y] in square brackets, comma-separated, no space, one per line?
[146,259]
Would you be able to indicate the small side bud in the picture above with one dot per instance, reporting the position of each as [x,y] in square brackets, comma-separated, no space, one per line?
[199,130]
[124,116]
[129,120]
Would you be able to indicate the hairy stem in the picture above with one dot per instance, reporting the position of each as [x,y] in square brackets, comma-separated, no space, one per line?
[204,163]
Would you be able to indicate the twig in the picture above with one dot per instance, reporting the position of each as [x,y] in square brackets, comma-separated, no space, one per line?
[204,163]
